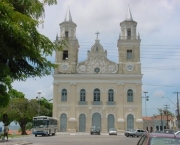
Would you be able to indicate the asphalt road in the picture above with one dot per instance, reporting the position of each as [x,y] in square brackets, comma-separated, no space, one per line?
[74,139]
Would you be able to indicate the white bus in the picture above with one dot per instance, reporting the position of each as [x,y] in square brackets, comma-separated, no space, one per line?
[44,125]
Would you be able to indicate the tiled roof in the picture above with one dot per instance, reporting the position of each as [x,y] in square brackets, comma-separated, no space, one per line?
[158,117]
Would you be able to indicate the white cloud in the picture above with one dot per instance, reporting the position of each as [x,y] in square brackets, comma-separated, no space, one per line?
[159,93]
[158,24]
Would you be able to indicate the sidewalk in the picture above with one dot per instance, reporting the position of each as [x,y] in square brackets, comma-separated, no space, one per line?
[13,142]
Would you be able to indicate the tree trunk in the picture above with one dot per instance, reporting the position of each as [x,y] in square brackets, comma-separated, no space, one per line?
[23,128]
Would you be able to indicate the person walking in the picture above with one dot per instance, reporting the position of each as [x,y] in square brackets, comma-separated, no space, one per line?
[6,130]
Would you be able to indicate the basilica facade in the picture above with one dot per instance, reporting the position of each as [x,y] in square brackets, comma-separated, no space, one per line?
[97,91]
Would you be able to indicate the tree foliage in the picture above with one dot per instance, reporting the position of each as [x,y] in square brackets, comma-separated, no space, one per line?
[23,49]
[46,107]
[5,87]
[22,110]
[164,112]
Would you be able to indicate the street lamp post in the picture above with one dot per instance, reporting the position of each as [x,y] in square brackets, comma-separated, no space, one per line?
[146,99]
[38,98]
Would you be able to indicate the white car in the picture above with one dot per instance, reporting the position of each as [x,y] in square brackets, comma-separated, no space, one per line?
[177,133]
[134,132]
[112,131]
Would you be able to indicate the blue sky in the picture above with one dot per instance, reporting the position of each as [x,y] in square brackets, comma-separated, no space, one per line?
[158,25]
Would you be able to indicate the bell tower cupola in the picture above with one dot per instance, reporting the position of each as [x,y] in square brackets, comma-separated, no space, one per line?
[129,46]
[67,58]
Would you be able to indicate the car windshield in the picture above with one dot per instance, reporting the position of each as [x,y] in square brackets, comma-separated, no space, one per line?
[95,127]
[132,130]
[164,141]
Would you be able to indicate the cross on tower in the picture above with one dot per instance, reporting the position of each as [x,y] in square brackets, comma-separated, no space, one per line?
[97,33]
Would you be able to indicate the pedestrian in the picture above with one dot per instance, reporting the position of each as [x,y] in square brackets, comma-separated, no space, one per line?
[6,130]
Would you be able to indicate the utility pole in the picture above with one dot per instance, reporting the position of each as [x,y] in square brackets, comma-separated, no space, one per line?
[146,99]
[161,128]
[38,99]
[178,117]
[166,108]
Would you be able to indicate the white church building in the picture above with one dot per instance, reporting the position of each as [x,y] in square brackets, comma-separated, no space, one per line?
[98,91]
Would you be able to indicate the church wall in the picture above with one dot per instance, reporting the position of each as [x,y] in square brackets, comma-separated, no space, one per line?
[120,110]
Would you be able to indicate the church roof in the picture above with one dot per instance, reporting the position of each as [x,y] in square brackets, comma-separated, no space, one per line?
[68,16]
[128,15]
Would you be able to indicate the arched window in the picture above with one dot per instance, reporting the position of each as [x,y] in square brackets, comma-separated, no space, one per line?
[64,95]
[110,95]
[130,95]
[129,54]
[96,95]
[82,95]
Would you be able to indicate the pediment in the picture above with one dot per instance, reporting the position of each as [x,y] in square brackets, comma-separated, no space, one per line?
[97,61]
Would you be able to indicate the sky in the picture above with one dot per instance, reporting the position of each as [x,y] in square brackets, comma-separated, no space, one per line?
[159,29]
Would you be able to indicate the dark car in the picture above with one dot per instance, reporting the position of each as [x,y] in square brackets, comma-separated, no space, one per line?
[95,130]
[159,139]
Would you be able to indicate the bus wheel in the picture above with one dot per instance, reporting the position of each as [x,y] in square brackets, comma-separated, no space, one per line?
[35,135]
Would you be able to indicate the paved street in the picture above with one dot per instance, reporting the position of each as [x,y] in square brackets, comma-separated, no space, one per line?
[73,139]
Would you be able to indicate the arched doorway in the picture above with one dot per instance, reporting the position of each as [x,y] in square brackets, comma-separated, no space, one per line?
[110,121]
[63,122]
[96,120]
[82,123]
[130,121]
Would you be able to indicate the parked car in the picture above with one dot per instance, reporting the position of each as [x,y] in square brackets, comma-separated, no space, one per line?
[169,131]
[112,131]
[159,139]
[177,133]
[158,131]
[135,132]
[95,129]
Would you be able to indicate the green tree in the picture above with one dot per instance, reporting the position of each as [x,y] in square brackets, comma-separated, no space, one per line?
[5,87]
[13,94]
[21,110]
[163,113]
[46,107]
[23,50]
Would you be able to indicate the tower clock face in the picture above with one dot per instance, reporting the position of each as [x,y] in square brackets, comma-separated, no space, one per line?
[64,66]
[129,67]
[96,70]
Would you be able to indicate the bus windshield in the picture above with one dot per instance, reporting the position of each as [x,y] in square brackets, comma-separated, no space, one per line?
[40,123]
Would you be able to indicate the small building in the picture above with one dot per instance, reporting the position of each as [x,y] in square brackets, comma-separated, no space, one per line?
[158,123]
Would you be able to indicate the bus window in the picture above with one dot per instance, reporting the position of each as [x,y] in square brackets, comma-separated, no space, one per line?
[40,123]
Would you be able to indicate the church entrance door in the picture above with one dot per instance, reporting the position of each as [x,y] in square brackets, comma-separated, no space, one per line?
[96,120]
[110,121]
[63,122]
[130,121]
[82,123]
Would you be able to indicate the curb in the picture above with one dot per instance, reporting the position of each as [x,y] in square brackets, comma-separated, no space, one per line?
[10,142]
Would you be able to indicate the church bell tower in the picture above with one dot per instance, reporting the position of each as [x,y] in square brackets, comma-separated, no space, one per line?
[67,58]
[129,47]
